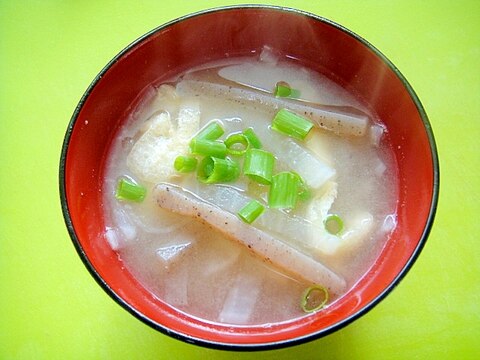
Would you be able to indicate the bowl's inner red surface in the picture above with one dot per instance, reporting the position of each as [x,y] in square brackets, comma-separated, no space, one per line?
[234,32]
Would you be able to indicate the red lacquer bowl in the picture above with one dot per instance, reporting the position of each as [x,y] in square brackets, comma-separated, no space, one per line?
[237,31]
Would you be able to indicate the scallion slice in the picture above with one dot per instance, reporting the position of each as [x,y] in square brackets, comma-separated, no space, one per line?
[214,170]
[283,192]
[203,147]
[251,211]
[283,89]
[304,192]
[291,124]
[237,144]
[314,298]
[333,224]
[258,165]
[252,138]
[129,190]
[185,164]
[212,131]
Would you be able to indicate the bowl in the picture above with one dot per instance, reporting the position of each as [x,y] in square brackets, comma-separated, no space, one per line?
[216,34]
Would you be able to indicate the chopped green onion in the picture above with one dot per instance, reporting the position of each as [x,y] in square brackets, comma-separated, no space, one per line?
[333,224]
[129,190]
[185,164]
[252,138]
[212,131]
[237,144]
[251,211]
[283,192]
[283,89]
[258,165]
[214,170]
[291,124]
[208,148]
[303,191]
[314,298]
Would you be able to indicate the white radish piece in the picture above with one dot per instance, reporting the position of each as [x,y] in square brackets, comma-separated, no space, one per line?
[176,287]
[162,99]
[241,298]
[169,254]
[342,121]
[113,238]
[309,86]
[376,134]
[380,168]
[148,217]
[269,55]
[123,232]
[225,253]
[389,224]
[270,249]
[314,171]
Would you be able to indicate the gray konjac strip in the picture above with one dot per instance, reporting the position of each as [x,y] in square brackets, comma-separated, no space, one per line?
[270,249]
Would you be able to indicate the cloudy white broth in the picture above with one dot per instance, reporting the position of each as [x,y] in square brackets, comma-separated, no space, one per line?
[250,192]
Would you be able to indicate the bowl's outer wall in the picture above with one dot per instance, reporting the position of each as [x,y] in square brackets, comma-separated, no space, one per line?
[237,32]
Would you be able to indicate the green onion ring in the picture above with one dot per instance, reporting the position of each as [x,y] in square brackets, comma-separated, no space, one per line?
[235,139]
[306,298]
[333,224]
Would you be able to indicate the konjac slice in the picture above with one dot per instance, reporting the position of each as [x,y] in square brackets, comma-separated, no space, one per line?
[340,120]
[271,250]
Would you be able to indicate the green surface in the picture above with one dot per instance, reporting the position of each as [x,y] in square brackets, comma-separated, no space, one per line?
[50,308]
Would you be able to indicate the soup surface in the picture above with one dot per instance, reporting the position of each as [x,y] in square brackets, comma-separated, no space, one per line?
[209,266]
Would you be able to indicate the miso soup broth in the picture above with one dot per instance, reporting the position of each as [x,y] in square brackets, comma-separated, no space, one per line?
[185,242]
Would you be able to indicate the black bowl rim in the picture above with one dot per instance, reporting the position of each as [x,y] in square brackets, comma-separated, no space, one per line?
[276,344]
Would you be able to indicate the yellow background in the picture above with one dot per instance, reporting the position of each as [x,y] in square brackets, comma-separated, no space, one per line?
[50,307]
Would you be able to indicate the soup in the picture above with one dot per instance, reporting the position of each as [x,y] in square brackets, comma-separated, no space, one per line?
[219,237]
